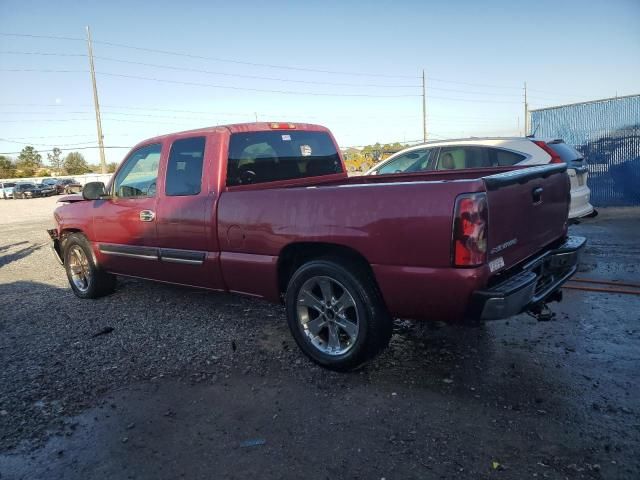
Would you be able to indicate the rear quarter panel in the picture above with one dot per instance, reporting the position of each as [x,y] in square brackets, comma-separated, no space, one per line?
[402,229]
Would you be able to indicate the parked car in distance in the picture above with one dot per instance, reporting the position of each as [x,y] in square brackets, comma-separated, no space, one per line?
[6,190]
[26,190]
[267,210]
[494,152]
[68,185]
[46,189]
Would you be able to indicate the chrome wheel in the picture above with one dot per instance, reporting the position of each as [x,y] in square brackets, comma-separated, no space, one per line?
[79,268]
[328,315]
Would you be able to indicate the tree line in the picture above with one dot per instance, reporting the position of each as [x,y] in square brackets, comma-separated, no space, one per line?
[363,159]
[29,163]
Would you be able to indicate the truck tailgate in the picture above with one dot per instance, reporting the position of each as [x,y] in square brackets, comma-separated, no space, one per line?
[528,210]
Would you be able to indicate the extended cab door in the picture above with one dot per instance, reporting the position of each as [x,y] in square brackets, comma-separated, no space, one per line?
[124,227]
[186,214]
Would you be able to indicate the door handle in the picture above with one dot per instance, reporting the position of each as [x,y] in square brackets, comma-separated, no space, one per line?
[536,195]
[147,215]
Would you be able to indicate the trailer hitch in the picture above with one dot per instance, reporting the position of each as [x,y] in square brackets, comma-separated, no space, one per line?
[541,311]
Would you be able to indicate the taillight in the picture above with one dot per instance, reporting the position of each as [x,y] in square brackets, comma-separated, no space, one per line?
[470,220]
[555,158]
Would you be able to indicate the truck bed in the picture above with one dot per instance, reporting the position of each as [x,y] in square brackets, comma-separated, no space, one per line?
[400,224]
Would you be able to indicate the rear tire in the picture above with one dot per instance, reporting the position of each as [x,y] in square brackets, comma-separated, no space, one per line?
[336,314]
[87,280]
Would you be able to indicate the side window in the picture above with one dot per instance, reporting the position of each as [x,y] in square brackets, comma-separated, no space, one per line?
[184,169]
[414,161]
[139,175]
[456,158]
[504,158]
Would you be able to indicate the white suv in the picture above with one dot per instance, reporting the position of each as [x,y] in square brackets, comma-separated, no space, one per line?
[494,152]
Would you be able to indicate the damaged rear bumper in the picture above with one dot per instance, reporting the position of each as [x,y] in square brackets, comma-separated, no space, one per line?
[539,280]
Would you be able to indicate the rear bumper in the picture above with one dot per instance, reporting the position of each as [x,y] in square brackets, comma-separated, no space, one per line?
[538,280]
[580,206]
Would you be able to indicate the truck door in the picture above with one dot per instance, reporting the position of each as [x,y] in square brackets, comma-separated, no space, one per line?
[186,215]
[123,225]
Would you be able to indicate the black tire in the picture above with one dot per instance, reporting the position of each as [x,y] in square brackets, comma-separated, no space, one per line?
[373,320]
[99,283]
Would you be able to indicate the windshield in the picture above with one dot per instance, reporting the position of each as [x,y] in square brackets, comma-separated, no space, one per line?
[257,157]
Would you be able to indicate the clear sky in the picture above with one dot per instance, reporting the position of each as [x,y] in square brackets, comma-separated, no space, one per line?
[477,55]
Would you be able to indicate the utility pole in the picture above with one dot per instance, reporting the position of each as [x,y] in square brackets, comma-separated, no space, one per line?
[424,109]
[103,163]
[526,111]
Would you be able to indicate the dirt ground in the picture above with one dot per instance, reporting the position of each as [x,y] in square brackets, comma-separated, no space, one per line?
[158,382]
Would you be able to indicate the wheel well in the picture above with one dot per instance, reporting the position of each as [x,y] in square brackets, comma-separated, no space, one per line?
[296,254]
[68,231]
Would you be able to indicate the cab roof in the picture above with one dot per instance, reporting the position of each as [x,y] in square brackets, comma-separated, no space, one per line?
[236,128]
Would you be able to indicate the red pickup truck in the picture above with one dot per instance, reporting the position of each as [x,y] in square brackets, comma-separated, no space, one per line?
[267,210]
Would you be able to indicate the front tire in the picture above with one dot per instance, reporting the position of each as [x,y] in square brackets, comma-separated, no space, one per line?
[87,280]
[336,314]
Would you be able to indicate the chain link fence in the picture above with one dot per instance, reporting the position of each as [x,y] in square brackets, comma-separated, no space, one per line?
[607,133]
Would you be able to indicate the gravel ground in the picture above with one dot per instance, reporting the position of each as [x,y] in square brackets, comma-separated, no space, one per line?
[158,381]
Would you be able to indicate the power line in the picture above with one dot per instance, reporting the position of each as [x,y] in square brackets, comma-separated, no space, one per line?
[72,149]
[227,87]
[46,120]
[472,100]
[286,67]
[442,80]
[48,37]
[40,70]
[214,113]
[212,72]
[216,59]
[44,54]
[287,92]
[255,77]
[57,136]
[9,140]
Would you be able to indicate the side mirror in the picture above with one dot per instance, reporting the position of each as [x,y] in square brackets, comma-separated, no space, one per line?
[93,191]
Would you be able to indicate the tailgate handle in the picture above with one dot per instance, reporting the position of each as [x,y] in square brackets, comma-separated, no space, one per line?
[536,194]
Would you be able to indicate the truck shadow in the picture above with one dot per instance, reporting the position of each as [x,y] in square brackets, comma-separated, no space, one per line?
[8,258]
[11,245]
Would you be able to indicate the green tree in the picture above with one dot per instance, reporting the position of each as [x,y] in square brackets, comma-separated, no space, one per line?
[55,160]
[75,164]
[29,161]
[7,167]
[112,167]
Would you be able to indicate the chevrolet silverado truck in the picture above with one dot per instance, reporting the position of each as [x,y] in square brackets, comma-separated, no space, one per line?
[267,210]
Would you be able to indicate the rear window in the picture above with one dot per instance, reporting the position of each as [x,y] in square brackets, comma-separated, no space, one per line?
[258,157]
[566,152]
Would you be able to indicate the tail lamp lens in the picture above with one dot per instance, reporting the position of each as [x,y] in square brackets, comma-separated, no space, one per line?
[555,158]
[470,230]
